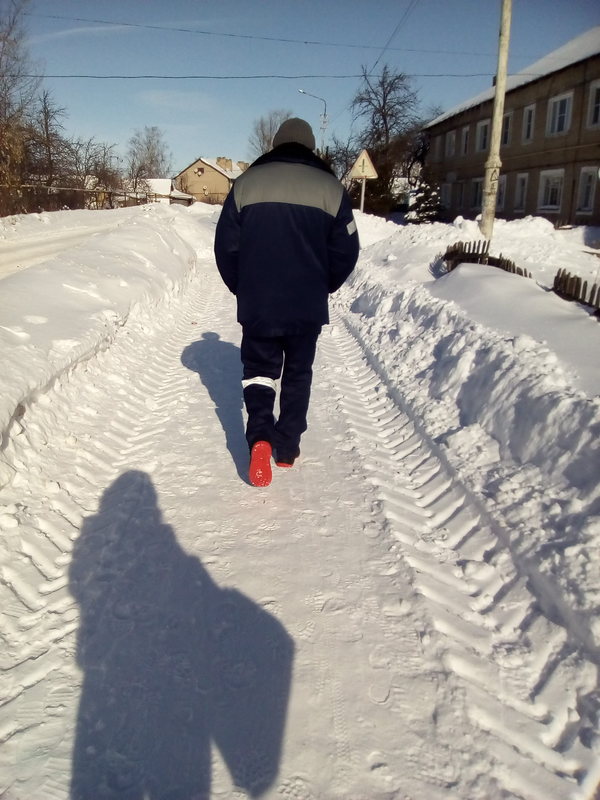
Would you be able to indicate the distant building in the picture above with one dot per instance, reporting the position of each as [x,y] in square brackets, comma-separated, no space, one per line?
[161,190]
[209,180]
[550,148]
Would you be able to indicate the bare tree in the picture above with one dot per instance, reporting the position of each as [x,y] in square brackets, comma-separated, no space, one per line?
[263,131]
[342,155]
[388,106]
[147,157]
[17,90]
[92,167]
[45,144]
[92,164]
[33,149]
[107,174]
[17,87]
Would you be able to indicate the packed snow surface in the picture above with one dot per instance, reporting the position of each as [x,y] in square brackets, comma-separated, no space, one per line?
[411,612]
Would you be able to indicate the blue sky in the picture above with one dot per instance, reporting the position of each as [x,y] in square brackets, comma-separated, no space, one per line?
[449,46]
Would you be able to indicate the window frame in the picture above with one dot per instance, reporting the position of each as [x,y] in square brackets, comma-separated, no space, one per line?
[446,195]
[593,173]
[483,124]
[528,123]
[436,148]
[551,118]
[521,179]
[501,193]
[548,175]
[506,128]
[476,194]
[594,105]
[465,136]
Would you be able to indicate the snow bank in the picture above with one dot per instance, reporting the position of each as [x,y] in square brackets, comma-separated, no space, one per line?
[505,378]
[59,313]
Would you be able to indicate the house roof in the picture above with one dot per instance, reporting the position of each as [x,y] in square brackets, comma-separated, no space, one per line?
[175,193]
[159,185]
[162,186]
[578,49]
[231,174]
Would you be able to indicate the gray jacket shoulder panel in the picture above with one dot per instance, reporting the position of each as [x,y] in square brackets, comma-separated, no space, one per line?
[296,184]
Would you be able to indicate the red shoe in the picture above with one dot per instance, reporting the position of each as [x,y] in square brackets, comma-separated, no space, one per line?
[260,464]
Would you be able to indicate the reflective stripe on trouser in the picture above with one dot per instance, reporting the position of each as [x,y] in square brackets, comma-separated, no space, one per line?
[264,360]
[260,380]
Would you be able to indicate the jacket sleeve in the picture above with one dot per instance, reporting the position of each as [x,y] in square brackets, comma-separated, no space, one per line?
[343,245]
[227,243]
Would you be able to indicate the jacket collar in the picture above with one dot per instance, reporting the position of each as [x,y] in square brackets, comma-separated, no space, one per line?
[292,153]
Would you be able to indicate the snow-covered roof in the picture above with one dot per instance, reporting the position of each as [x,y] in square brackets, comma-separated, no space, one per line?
[175,193]
[578,49]
[162,186]
[159,185]
[232,173]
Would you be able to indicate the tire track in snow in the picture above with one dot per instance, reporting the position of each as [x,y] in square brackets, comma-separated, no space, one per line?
[484,619]
[122,413]
[527,685]
[41,515]
[20,255]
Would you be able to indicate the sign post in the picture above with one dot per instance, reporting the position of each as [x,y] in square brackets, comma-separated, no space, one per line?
[363,170]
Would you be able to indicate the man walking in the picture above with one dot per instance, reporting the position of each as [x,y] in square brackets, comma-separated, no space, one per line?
[285,240]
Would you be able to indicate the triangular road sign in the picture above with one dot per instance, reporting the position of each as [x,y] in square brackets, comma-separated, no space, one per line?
[363,167]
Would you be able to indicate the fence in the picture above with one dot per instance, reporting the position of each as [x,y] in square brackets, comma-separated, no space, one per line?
[478,253]
[565,285]
[573,287]
[34,197]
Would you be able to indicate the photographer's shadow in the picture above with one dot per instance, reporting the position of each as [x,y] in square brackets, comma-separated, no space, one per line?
[219,366]
[171,662]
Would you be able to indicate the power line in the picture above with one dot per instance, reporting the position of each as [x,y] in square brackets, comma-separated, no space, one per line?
[254,77]
[260,38]
[411,6]
[187,77]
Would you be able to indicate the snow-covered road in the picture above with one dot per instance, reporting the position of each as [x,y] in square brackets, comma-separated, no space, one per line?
[18,254]
[348,633]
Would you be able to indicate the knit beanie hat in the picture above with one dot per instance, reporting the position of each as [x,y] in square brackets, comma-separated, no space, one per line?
[295,130]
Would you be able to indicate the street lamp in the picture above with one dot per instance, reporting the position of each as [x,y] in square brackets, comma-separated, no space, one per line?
[323,117]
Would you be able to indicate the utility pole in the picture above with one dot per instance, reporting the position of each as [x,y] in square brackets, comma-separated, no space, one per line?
[323,118]
[493,163]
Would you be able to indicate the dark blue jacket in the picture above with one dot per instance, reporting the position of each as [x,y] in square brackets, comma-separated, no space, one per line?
[285,240]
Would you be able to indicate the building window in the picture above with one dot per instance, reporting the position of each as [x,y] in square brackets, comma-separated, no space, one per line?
[521,191]
[460,191]
[450,143]
[587,190]
[436,148]
[551,189]
[483,135]
[506,129]
[501,196]
[476,192]
[528,123]
[594,105]
[446,195]
[559,114]
[464,141]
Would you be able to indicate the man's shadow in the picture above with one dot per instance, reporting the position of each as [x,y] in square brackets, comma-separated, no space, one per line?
[171,662]
[219,366]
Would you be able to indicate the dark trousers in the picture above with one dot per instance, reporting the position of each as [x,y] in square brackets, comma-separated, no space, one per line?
[265,360]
